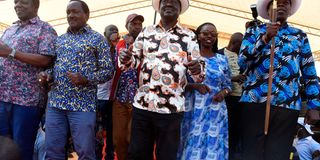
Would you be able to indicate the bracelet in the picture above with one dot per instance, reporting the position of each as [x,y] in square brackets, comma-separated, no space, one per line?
[226,91]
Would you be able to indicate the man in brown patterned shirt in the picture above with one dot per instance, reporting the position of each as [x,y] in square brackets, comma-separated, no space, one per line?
[168,53]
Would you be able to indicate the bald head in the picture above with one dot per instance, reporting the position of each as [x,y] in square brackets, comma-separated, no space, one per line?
[235,42]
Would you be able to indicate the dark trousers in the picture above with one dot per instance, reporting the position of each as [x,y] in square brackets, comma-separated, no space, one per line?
[277,143]
[104,120]
[149,128]
[21,123]
[234,112]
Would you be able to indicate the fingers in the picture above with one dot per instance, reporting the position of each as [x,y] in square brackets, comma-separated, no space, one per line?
[43,78]
[125,55]
[194,67]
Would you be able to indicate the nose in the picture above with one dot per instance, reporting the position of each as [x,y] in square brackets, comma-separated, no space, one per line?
[70,15]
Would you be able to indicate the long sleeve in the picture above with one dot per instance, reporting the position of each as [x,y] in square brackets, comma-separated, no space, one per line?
[105,68]
[252,48]
[309,74]
[226,83]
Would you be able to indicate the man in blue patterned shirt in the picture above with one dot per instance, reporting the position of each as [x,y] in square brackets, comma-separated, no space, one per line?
[82,61]
[293,59]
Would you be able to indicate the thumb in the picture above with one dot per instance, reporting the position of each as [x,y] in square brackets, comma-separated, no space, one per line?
[189,58]
[130,48]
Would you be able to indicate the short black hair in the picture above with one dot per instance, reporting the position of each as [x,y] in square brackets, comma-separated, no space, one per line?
[84,6]
[215,45]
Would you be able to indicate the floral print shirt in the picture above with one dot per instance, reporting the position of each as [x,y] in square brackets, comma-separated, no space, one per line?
[87,53]
[127,82]
[18,81]
[293,58]
[162,78]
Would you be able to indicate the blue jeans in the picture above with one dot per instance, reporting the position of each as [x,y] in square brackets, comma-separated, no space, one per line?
[81,126]
[39,148]
[21,123]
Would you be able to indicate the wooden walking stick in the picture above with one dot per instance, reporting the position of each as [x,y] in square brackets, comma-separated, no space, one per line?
[267,116]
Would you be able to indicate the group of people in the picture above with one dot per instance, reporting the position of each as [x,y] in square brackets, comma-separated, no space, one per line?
[163,91]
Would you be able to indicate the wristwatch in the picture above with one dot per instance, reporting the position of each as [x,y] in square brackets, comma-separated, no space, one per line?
[12,54]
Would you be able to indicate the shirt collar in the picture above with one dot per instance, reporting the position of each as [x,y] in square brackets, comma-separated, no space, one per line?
[177,25]
[33,20]
[84,29]
[229,52]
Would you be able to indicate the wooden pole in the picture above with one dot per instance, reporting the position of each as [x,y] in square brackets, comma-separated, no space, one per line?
[270,79]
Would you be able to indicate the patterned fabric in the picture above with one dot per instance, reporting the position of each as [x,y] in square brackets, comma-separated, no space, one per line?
[85,52]
[204,129]
[292,57]
[163,76]
[127,82]
[18,80]
[235,70]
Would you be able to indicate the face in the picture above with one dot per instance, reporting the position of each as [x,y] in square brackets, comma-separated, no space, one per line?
[236,43]
[112,29]
[25,9]
[114,38]
[207,36]
[283,10]
[76,16]
[135,27]
[170,8]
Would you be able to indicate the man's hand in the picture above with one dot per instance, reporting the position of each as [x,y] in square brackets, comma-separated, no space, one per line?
[202,88]
[272,31]
[5,50]
[77,79]
[239,78]
[193,66]
[44,78]
[219,97]
[125,56]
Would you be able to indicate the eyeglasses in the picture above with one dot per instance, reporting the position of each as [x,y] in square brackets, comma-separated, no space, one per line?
[206,33]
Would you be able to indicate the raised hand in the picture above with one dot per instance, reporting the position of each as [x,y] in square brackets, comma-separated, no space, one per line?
[125,55]
[272,31]
[193,66]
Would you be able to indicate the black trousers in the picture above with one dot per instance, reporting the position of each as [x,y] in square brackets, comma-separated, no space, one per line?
[149,128]
[277,143]
[234,112]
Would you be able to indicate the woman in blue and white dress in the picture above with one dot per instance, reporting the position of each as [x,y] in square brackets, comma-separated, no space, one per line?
[204,129]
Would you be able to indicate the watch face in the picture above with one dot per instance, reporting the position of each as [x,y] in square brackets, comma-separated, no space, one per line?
[12,54]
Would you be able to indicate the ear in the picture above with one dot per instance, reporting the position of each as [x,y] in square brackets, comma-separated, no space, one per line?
[87,17]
